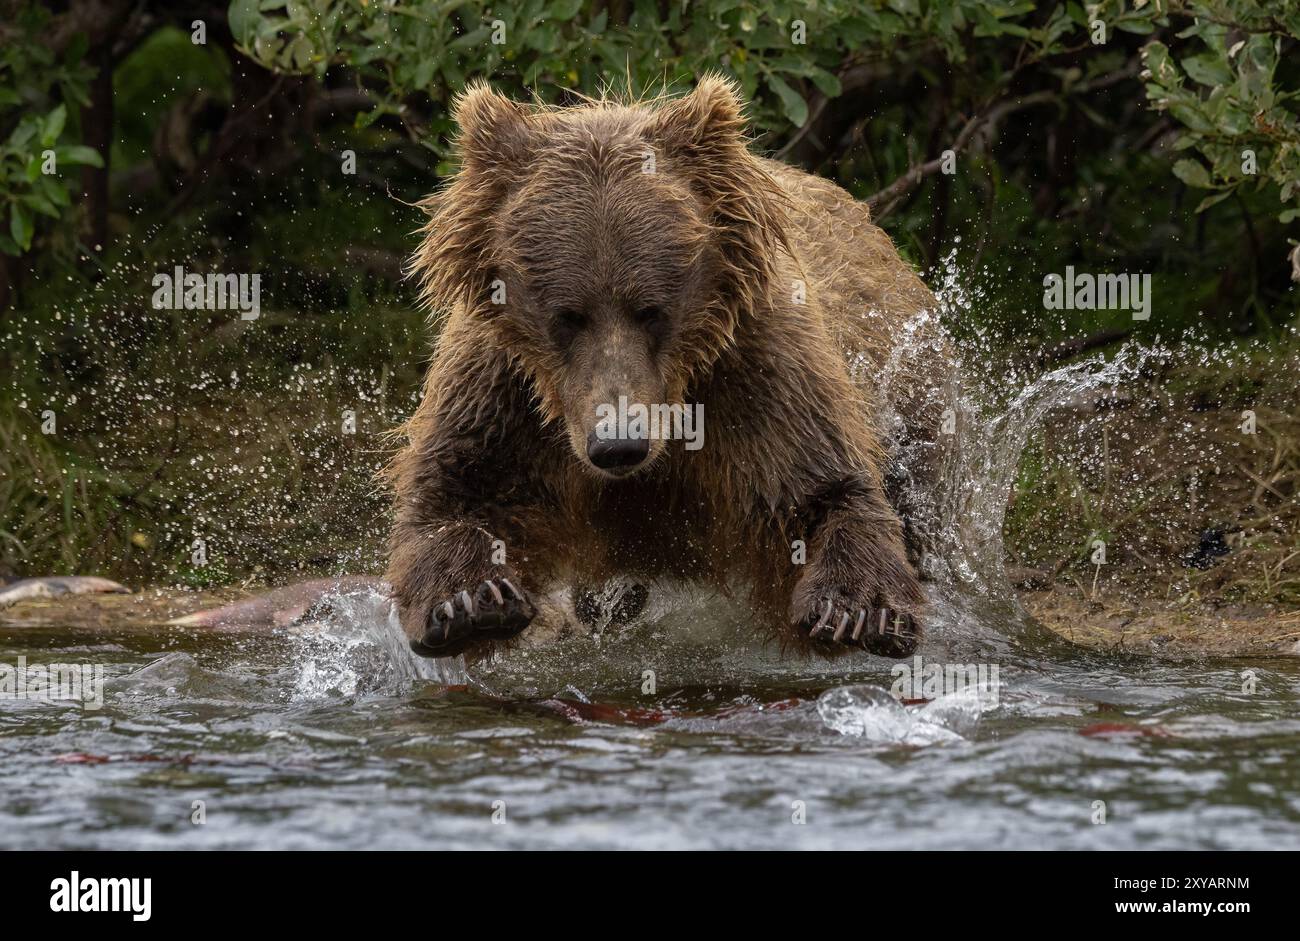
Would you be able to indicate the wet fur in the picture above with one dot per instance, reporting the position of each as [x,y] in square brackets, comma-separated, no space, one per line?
[795,446]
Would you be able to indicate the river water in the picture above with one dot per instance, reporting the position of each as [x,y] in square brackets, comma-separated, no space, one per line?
[336,738]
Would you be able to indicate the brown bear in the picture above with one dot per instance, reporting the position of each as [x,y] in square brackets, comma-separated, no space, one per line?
[636,252]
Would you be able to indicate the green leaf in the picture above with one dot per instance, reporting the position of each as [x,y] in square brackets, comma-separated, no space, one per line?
[1192,173]
[1212,200]
[78,154]
[1139,26]
[20,227]
[795,108]
[544,38]
[474,37]
[1193,118]
[53,126]
[24,132]
[827,83]
[423,73]
[54,192]
[563,10]
[40,203]
[1207,69]
[244,19]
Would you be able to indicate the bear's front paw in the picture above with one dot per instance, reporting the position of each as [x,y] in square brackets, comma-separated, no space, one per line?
[497,610]
[879,628]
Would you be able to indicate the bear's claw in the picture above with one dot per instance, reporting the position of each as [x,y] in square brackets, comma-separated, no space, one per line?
[880,629]
[465,619]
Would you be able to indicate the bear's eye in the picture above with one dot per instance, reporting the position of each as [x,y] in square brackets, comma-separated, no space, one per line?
[570,319]
[648,316]
[567,324]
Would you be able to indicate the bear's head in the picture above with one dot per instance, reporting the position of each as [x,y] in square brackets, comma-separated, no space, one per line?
[613,250]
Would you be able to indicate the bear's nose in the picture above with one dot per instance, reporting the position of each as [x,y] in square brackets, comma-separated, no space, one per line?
[613,454]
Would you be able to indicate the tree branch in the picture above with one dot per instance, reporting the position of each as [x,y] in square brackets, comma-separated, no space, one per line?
[883,202]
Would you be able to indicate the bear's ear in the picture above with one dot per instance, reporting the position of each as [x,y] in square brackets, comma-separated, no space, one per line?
[494,131]
[706,125]
[453,262]
[702,138]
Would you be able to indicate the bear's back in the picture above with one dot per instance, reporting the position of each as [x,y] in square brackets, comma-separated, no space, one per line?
[866,290]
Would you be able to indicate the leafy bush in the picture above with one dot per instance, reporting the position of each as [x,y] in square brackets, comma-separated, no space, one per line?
[1216,71]
[36,150]
[1224,89]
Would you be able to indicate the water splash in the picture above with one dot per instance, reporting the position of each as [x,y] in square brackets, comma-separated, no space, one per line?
[976,484]
[986,413]
[357,647]
[871,714]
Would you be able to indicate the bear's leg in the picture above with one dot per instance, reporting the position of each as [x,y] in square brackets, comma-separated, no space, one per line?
[472,538]
[858,588]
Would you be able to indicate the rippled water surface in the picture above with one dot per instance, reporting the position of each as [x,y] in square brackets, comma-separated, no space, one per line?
[333,736]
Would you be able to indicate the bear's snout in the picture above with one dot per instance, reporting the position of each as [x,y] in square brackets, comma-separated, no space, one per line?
[616,455]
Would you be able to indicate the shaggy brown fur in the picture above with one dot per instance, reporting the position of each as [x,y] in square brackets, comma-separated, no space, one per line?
[639,249]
